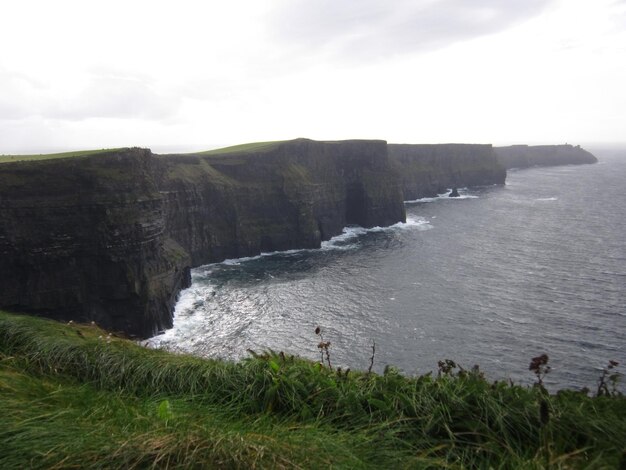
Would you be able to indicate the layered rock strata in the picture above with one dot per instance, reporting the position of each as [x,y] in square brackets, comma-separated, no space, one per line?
[112,237]
[430,169]
[293,194]
[84,239]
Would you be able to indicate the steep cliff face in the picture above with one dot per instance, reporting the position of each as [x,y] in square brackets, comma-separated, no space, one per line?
[292,194]
[428,170]
[524,156]
[83,239]
[111,237]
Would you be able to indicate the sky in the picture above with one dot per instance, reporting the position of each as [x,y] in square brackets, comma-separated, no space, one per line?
[195,75]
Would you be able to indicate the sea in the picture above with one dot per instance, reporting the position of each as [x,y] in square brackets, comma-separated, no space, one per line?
[495,277]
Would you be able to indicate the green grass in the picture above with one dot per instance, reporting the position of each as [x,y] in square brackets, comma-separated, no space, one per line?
[63,423]
[52,156]
[244,148]
[73,396]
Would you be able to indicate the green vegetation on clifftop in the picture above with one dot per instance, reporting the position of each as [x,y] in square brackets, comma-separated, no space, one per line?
[244,148]
[74,396]
[54,156]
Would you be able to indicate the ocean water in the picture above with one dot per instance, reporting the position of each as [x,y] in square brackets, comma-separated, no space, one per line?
[495,277]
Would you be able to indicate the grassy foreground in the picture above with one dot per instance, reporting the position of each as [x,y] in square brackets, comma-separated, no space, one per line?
[71,396]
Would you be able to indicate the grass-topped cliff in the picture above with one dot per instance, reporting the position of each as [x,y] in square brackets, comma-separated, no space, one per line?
[270,196]
[111,235]
[54,156]
[83,238]
[244,148]
[73,396]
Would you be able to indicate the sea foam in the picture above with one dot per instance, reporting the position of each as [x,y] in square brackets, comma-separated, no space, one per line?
[192,300]
[338,242]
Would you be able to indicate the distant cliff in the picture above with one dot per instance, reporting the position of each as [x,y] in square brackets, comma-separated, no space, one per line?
[111,237]
[524,156]
[427,170]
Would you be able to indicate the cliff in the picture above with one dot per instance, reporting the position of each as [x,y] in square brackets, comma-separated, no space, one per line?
[524,156]
[279,196]
[83,239]
[111,237]
[427,170]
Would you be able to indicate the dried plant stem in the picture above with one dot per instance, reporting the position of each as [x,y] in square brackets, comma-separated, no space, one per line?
[369,369]
[324,348]
[328,356]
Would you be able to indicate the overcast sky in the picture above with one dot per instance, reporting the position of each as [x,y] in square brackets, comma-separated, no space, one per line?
[193,75]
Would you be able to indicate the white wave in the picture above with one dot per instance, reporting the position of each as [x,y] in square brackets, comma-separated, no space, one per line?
[423,199]
[444,196]
[188,318]
[547,199]
[353,232]
[238,261]
[193,306]
[419,223]
[348,234]
[338,242]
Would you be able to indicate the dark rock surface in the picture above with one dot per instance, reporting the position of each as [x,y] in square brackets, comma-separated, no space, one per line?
[83,239]
[292,195]
[524,156]
[112,237]
[454,193]
[430,169]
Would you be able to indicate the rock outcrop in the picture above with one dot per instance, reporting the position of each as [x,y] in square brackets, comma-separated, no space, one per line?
[430,169]
[293,194]
[524,156]
[111,237]
[84,239]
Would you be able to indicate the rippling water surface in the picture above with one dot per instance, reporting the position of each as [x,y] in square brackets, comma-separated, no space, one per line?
[494,278]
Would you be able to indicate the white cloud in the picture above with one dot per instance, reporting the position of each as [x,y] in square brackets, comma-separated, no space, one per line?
[117,97]
[20,95]
[206,73]
[101,96]
[374,30]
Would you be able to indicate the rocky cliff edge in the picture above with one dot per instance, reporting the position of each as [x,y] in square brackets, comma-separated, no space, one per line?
[429,169]
[111,237]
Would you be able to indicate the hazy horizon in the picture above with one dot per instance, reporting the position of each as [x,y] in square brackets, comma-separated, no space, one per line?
[165,149]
